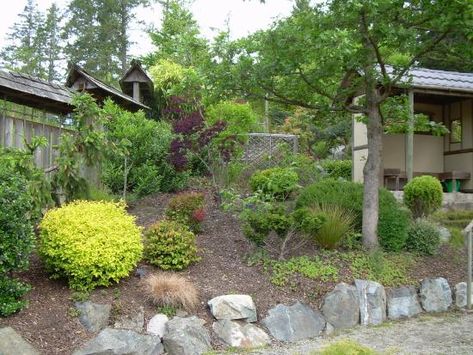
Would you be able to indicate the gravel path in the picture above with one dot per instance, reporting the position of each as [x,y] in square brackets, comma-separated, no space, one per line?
[449,333]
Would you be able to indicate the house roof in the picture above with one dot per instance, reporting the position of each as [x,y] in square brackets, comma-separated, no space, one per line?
[28,90]
[76,71]
[433,79]
[135,65]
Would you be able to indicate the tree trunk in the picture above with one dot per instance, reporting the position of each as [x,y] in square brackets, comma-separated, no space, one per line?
[372,172]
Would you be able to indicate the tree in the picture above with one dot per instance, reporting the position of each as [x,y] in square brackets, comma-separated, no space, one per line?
[322,56]
[97,32]
[178,39]
[24,51]
[50,39]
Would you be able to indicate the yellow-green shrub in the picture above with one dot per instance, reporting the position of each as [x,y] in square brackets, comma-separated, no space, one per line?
[90,243]
[170,245]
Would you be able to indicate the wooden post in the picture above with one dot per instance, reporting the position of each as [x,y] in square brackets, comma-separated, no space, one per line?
[266,114]
[136,91]
[410,139]
[469,276]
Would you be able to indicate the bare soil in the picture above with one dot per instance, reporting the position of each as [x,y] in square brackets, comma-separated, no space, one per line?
[51,325]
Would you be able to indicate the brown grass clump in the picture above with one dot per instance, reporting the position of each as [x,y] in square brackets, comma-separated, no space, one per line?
[166,289]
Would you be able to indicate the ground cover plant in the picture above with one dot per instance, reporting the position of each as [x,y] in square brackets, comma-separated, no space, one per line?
[187,208]
[89,243]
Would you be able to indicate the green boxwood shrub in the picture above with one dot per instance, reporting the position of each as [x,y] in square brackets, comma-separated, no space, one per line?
[423,195]
[393,218]
[423,237]
[90,243]
[16,237]
[170,245]
[187,208]
[276,182]
[337,168]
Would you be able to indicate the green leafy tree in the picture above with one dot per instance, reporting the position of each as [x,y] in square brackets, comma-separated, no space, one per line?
[324,55]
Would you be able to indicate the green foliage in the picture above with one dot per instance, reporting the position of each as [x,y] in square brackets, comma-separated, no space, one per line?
[90,244]
[259,221]
[11,291]
[170,245]
[16,236]
[187,208]
[144,144]
[393,218]
[314,268]
[239,117]
[276,182]
[453,219]
[170,311]
[387,269]
[423,237]
[423,195]
[326,225]
[457,239]
[336,169]
[346,347]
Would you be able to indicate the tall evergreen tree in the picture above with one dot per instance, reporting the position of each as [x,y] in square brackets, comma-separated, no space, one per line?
[24,50]
[49,36]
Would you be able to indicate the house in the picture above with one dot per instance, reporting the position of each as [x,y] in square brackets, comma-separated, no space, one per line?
[444,97]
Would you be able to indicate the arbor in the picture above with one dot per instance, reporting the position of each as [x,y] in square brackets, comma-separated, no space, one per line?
[322,56]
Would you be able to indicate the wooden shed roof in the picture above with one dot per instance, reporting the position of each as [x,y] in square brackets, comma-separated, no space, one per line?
[76,71]
[27,90]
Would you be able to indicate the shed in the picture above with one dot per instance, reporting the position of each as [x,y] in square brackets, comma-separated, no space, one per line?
[137,84]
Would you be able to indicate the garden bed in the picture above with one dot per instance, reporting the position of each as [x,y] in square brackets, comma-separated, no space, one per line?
[50,322]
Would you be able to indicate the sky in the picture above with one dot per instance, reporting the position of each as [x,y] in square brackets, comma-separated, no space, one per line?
[244,17]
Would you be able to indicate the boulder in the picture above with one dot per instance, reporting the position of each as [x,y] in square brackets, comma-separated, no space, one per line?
[292,323]
[93,316]
[186,336]
[341,307]
[240,334]
[460,294]
[11,343]
[403,302]
[122,341]
[435,295]
[157,325]
[133,322]
[233,307]
[372,302]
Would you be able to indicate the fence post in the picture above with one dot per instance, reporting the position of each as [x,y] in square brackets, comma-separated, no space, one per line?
[468,284]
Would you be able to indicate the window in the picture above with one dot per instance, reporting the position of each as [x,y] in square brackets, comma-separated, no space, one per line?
[456,131]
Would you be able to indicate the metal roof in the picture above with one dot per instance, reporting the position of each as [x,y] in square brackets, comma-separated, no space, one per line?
[433,79]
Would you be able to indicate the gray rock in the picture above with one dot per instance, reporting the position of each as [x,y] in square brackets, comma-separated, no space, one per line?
[121,341]
[233,307]
[435,295]
[403,302]
[180,313]
[11,343]
[460,294]
[372,302]
[141,272]
[445,234]
[292,323]
[133,322]
[341,307]
[93,316]
[157,325]
[329,329]
[186,336]
[240,334]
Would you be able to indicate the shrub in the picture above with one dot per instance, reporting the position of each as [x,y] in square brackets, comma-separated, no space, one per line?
[327,225]
[16,237]
[171,291]
[423,195]
[239,117]
[170,245]
[187,208]
[276,182]
[423,237]
[393,218]
[90,243]
[337,168]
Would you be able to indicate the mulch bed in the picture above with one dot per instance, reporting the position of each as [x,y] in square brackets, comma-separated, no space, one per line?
[50,324]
